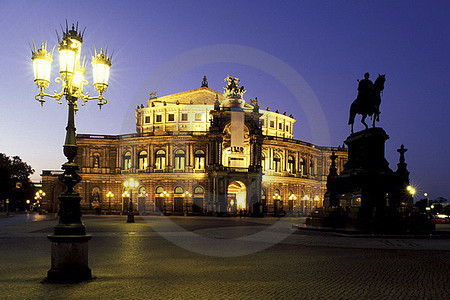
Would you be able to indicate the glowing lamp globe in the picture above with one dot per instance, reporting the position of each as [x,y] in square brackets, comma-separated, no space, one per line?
[42,65]
[67,59]
[101,65]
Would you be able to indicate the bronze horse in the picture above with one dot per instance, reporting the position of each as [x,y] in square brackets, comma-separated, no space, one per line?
[369,106]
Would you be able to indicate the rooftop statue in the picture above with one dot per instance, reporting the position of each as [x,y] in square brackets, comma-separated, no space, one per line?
[232,90]
[368,101]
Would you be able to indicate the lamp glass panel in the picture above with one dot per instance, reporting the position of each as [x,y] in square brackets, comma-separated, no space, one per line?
[101,72]
[67,60]
[42,68]
[78,78]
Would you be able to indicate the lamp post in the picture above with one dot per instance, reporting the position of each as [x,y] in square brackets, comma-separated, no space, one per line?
[186,202]
[164,194]
[69,241]
[109,195]
[130,183]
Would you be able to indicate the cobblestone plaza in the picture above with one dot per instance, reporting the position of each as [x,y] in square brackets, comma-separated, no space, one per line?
[159,258]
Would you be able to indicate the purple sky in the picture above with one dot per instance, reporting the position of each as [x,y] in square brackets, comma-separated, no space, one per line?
[330,44]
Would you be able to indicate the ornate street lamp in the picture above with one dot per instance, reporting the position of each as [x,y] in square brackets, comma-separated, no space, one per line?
[130,183]
[69,241]
[109,195]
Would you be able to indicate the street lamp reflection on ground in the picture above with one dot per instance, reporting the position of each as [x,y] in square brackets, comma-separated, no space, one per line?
[69,241]
[130,183]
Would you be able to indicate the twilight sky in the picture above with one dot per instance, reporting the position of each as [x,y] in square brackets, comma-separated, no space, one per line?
[303,57]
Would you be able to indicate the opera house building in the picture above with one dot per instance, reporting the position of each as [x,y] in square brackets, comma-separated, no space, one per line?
[200,152]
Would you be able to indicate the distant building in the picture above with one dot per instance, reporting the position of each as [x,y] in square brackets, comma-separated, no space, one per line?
[201,152]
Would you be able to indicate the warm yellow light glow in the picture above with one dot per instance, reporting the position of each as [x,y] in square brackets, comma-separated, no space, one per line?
[42,65]
[109,194]
[411,190]
[67,61]
[101,65]
[28,201]
[131,183]
[78,78]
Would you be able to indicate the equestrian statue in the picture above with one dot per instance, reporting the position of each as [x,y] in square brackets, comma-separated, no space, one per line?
[368,101]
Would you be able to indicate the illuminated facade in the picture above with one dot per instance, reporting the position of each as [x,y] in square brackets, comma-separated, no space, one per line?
[202,152]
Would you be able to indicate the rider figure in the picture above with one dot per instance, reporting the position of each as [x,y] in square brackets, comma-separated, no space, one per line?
[365,87]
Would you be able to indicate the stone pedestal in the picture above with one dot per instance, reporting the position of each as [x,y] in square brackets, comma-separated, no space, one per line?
[69,258]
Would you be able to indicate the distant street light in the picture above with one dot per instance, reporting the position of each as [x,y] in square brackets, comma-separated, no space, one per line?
[109,195]
[69,241]
[130,183]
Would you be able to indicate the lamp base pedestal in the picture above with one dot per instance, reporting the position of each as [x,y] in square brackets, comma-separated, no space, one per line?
[69,259]
[130,218]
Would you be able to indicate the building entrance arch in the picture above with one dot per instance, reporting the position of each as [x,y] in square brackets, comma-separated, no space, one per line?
[237,196]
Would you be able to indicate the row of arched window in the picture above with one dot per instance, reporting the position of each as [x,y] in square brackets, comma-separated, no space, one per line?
[179,162]
[291,164]
[180,190]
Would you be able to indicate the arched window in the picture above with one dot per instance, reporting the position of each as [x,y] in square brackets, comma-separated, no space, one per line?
[142,164]
[276,192]
[180,158]
[302,166]
[263,161]
[159,190]
[142,192]
[291,164]
[277,163]
[199,190]
[127,160]
[199,160]
[96,160]
[178,190]
[160,160]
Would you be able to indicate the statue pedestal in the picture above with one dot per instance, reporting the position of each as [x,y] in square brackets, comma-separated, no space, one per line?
[366,152]
[69,258]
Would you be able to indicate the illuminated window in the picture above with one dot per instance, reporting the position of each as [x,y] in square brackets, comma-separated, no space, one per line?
[158,119]
[180,157]
[147,119]
[171,118]
[142,160]
[159,190]
[272,124]
[199,190]
[178,190]
[198,117]
[277,163]
[302,166]
[160,160]
[96,160]
[199,160]
[291,164]
[127,160]
[184,117]
[142,191]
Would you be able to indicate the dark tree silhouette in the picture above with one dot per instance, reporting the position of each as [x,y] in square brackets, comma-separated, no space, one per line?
[15,183]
